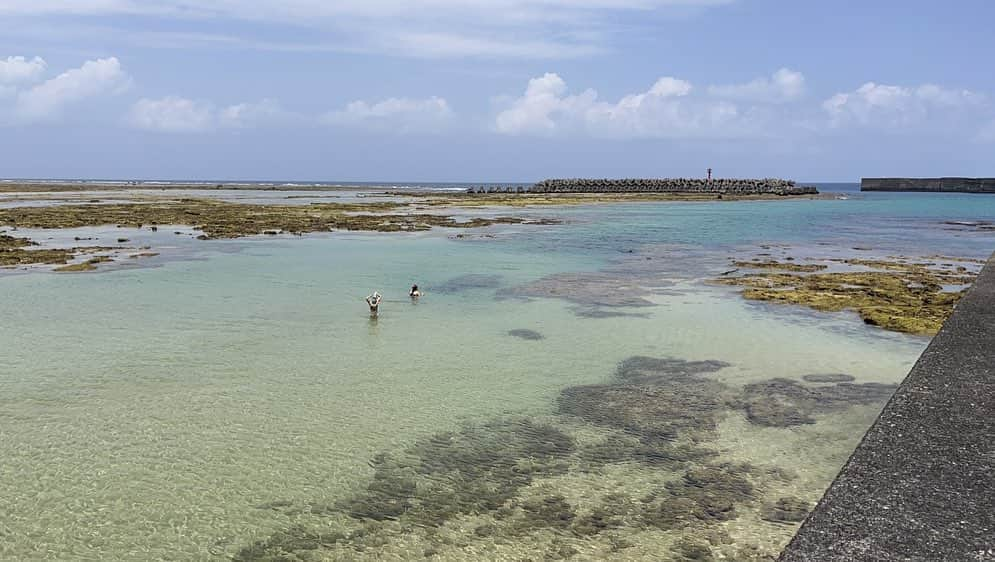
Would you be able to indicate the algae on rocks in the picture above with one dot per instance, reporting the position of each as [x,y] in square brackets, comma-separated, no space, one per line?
[899,296]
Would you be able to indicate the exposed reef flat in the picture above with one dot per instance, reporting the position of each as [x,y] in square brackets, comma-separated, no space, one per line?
[219,219]
[21,251]
[899,295]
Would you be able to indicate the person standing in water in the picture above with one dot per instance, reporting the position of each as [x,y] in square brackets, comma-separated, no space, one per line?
[414,293]
[374,302]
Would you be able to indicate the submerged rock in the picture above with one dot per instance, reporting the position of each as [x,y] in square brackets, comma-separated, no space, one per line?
[471,471]
[786,510]
[468,282]
[703,495]
[598,313]
[590,289]
[688,549]
[828,377]
[526,334]
[784,402]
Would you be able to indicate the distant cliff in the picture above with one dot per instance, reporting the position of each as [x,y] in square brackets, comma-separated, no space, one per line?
[952,185]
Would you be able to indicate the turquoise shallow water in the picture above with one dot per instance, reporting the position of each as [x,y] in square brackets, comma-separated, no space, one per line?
[186,410]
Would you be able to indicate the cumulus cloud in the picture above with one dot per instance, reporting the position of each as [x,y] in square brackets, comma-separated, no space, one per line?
[668,109]
[394,114]
[49,99]
[18,70]
[247,115]
[898,106]
[173,114]
[784,85]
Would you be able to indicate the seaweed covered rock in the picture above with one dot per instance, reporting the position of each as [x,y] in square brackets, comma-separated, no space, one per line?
[786,510]
[688,549]
[704,495]
[828,377]
[894,295]
[784,402]
[653,399]
[470,471]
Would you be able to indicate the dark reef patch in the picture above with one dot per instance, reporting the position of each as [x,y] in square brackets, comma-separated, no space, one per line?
[589,289]
[704,495]
[786,510]
[599,313]
[655,414]
[828,377]
[526,334]
[784,402]
[468,282]
[474,470]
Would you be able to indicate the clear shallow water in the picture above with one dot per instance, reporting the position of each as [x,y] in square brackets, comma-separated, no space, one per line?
[187,410]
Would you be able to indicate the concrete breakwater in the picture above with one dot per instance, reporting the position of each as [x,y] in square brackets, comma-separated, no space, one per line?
[952,185]
[919,486]
[768,186]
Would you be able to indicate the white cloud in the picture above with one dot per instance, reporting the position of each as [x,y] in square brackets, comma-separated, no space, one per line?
[247,115]
[173,114]
[783,85]
[394,114]
[898,106]
[17,70]
[48,99]
[667,110]
[422,28]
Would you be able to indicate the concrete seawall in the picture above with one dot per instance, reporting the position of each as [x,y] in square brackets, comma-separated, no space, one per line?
[952,185]
[921,484]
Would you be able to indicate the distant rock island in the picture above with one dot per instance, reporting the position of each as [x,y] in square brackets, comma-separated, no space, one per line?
[952,185]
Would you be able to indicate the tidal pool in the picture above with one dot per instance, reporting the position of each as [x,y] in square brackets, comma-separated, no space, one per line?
[243,405]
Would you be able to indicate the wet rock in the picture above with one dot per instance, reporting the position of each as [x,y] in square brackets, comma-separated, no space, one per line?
[828,377]
[895,295]
[786,510]
[468,282]
[526,334]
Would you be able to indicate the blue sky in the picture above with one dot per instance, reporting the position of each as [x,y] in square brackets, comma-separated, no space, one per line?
[495,90]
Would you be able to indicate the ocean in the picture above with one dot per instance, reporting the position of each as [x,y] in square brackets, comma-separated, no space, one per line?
[577,390]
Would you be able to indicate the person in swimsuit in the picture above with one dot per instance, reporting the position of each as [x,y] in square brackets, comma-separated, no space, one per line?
[414,292]
[374,302]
